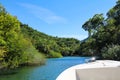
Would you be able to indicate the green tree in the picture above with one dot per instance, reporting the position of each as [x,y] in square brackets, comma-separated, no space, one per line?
[14,47]
[49,45]
[114,13]
[93,24]
[111,52]
[106,32]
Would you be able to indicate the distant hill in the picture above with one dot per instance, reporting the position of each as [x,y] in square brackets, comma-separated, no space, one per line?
[49,45]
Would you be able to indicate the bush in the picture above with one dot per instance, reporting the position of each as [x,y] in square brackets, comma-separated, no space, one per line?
[111,52]
[54,54]
[33,57]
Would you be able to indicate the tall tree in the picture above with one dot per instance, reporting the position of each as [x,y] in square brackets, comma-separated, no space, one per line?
[93,24]
[114,13]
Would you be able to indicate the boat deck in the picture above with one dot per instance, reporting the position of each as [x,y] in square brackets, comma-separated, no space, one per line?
[82,71]
[98,74]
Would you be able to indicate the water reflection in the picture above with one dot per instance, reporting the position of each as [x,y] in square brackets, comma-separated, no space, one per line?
[49,71]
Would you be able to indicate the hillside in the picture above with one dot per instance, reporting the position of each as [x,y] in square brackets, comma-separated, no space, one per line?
[21,44]
[49,45]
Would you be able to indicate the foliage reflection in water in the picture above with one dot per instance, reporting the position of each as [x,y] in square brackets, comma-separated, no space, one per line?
[50,71]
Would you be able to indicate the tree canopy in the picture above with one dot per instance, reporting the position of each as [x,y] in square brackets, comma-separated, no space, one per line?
[47,44]
[14,47]
[106,37]
[20,44]
[93,24]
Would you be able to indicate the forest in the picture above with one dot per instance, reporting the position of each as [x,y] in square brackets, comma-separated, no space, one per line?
[20,44]
[104,35]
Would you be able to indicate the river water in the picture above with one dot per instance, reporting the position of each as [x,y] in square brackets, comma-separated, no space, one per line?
[49,71]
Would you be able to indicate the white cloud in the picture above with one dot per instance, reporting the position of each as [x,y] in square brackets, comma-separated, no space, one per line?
[79,37]
[44,14]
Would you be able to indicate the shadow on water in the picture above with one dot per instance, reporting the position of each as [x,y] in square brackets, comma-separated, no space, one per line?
[4,72]
[17,74]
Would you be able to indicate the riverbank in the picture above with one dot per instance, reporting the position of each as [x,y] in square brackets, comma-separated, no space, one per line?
[70,73]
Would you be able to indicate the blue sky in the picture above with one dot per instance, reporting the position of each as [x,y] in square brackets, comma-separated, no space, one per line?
[62,18]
